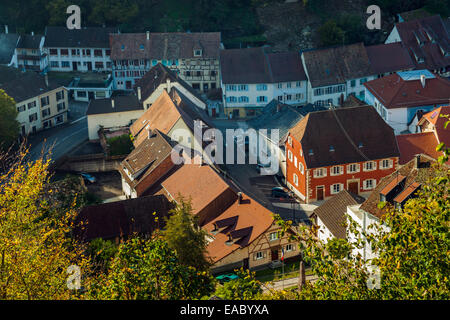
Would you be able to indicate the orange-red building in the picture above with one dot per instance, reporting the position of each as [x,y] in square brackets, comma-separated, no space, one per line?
[344,148]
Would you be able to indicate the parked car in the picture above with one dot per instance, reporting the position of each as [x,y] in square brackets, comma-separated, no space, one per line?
[88,177]
[279,192]
[227,277]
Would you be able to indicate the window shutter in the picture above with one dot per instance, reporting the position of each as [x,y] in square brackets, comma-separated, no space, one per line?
[264,254]
[254,256]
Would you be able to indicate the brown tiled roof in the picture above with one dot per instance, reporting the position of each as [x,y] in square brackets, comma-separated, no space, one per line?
[336,65]
[255,65]
[147,156]
[414,14]
[122,218]
[121,104]
[391,185]
[199,182]
[157,75]
[438,122]
[163,46]
[320,130]
[394,92]
[430,48]
[332,212]
[409,190]
[249,220]
[415,143]
[390,57]
[412,174]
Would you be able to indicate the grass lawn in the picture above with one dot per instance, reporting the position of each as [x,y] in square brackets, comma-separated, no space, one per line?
[290,271]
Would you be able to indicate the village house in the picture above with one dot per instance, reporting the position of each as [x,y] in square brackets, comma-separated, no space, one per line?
[85,49]
[328,151]
[427,42]
[193,56]
[8,44]
[160,77]
[118,111]
[393,191]
[398,97]
[431,132]
[330,215]
[252,77]
[30,53]
[40,104]
[337,72]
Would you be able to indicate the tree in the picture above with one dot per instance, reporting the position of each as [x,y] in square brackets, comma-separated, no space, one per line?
[9,127]
[246,287]
[185,237]
[35,252]
[331,34]
[149,269]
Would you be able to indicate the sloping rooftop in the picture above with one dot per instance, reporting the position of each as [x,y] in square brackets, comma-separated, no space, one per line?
[332,212]
[426,39]
[122,218]
[355,133]
[28,41]
[395,92]
[420,174]
[336,65]
[255,65]
[416,143]
[390,57]
[87,37]
[438,123]
[245,223]
[121,104]
[164,46]
[8,42]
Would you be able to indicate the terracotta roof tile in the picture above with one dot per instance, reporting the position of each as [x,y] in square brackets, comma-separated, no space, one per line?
[416,143]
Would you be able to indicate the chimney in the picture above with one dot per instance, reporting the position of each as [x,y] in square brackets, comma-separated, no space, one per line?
[139,93]
[32,33]
[168,85]
[148,35]
[6,29]
[417,161]
[112,103]
[239,197]
[46,79]
[422,80]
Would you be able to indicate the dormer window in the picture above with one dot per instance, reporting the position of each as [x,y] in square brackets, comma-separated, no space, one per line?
[141,47]
[311,152]
[122,47]
[331,148]
[197,53]
[360,145]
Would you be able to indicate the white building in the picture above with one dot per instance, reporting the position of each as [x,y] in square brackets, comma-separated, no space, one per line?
[252,77]
[85,49]
[30,53]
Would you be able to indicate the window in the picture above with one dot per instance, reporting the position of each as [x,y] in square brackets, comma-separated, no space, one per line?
[213,73]
[352,168]
[336,170]
[353,83]
[243,87]
[299,96]
[61,106]
[60,95]
[298,84]
[289,247]
[108,52]
[53,52]
[231,87]
[301,167]
[295,179]
[261,87]
[318,92]
[33,117]
[243,99]
[369,184]
[21,108]
[259,255]
[64,52]
[231,99]
[288,97]
[54,64]
[197,53]
[31,105]
[98,53]
[336,188]
[320,172]
[65,64]
[288,85]
[81,94]
[75,52]
[59,119]
[290,141]
[199,73]
[280,98]
[362,80]
[188,73]
[295,161]
[386,164]
[46,112]
[99,65]
[273,236]
[290,155]
[369,166]
[279,85]
[261,99]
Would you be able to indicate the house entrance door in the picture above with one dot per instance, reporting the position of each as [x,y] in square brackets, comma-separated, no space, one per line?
[274,254]
[353,187]
[320,193]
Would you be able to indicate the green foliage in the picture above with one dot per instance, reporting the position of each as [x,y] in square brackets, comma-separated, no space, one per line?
[101,253]
[185,237]
[331,34]
[244,288]
[121,145]
[338,248]
[149,269]
[9,127]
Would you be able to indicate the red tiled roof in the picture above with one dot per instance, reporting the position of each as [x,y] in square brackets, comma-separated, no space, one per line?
[398,178]
[394,92]
[409,190]
[434,117]
[390,57]
[415,143]
[249,220]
